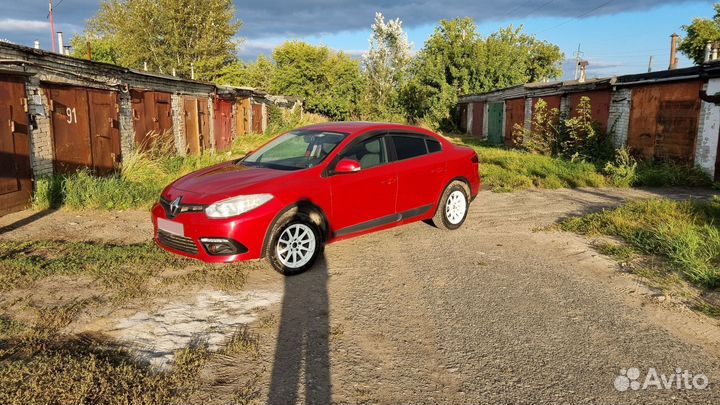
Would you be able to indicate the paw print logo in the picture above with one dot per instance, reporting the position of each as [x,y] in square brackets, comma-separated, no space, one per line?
[627,379]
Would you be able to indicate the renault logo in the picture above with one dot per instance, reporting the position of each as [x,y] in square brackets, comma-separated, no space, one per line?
[174,208]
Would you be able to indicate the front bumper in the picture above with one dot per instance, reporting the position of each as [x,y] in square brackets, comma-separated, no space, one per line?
[247,231]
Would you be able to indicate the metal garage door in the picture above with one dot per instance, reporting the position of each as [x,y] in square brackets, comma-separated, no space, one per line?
[15,171]
[223,124]
[495,123]
[152,116]
[85,129]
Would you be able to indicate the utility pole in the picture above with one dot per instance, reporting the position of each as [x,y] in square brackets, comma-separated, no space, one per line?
[577,62]
[650,64]
[52,25]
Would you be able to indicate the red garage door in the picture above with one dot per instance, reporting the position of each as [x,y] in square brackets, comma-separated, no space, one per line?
[15,171]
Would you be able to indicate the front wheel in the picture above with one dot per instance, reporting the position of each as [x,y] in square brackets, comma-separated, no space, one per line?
[294,246]
[453,207]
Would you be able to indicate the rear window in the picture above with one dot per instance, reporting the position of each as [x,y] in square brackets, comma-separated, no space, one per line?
[433,146]
[407,147]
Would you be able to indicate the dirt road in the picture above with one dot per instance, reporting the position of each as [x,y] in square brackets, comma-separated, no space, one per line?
[497,311]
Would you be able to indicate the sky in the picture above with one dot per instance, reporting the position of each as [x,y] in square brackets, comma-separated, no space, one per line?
[615,36]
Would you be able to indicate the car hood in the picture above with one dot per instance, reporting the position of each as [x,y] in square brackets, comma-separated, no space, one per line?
[226,180]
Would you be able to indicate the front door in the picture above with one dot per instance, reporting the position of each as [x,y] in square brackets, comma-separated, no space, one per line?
[364,199]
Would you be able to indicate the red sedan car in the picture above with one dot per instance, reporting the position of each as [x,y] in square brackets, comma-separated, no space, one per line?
[312,186]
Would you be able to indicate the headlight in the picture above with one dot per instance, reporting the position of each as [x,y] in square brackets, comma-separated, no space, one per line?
[237,205]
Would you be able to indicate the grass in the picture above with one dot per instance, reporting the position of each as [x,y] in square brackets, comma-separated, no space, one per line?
[124,271]
[43,365]
[505,170]
[684,234]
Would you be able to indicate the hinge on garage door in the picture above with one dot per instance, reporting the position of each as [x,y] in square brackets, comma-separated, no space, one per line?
[23,102]
[11,124]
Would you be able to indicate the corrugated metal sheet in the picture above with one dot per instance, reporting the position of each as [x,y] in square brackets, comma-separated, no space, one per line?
[664,120]
[15,172]
[514,114]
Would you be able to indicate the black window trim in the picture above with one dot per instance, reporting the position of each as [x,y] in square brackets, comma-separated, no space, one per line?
[330,168]
[398,133]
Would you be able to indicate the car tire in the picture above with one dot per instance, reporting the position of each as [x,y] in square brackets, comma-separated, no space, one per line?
[295,244]
[453,206]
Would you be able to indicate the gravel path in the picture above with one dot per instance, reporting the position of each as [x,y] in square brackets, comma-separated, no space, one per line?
[497,311]
[493,312]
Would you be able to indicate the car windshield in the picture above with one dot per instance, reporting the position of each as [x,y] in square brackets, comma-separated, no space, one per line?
[295,150]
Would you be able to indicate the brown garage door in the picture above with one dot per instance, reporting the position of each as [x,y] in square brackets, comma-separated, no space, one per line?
[664,120]
[85,129]
[599,105]
[197,125]
[514,114]
[223,124]
[152,116]
[257,124]
[477,121]
[15,171]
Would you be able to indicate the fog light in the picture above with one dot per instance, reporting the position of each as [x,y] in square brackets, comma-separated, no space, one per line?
[222,246]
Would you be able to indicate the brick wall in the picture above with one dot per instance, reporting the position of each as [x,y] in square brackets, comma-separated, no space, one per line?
[127,125]
[619,117]
[41,145]
[708,128]
[178,124]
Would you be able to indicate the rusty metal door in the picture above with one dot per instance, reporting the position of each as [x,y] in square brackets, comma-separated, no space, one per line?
[152,116]
[204,123]
[104,131]
[70,128]
[242,123]
[462,113]
[15,170]
[477,121]
[223,124]
[257,117]
[514,114]
[192,129]
[599,106]
[664,121]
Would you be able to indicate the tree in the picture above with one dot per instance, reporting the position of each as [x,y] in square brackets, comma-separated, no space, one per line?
[257,75]
[102,49]
[456,60]
[329,82]
[698,34]
[169,34]
[385,65]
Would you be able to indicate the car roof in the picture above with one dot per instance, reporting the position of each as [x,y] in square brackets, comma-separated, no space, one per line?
[359,126]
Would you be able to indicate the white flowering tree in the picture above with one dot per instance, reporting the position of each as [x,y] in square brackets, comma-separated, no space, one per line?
[385,65]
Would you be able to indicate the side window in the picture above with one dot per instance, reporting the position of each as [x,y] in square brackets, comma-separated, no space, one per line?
[433,145]
[407,147]
[369,153]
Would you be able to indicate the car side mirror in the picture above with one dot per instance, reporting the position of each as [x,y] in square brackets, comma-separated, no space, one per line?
[345,166]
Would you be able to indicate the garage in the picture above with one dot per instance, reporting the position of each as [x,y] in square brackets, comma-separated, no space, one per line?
[495,123]
[223,124]
[85,129]
[152,116]
[15,171]
[514,114]
[197,126]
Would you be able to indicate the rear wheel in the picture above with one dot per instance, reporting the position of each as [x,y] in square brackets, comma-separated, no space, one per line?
[295,244]
[453,207]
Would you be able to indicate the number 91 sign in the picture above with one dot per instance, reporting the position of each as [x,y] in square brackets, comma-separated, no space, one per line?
[71,115]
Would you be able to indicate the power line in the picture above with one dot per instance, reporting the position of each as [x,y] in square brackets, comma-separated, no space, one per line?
[578,16]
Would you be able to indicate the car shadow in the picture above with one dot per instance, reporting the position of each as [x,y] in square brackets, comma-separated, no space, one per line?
[302,359]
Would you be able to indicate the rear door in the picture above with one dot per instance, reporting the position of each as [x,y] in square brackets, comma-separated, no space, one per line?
[421,169]
[364,199]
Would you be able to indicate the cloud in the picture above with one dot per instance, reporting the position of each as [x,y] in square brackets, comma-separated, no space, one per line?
[11,24]
[317,17]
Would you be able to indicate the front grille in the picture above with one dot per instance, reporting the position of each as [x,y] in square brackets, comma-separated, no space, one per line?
[177,242]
